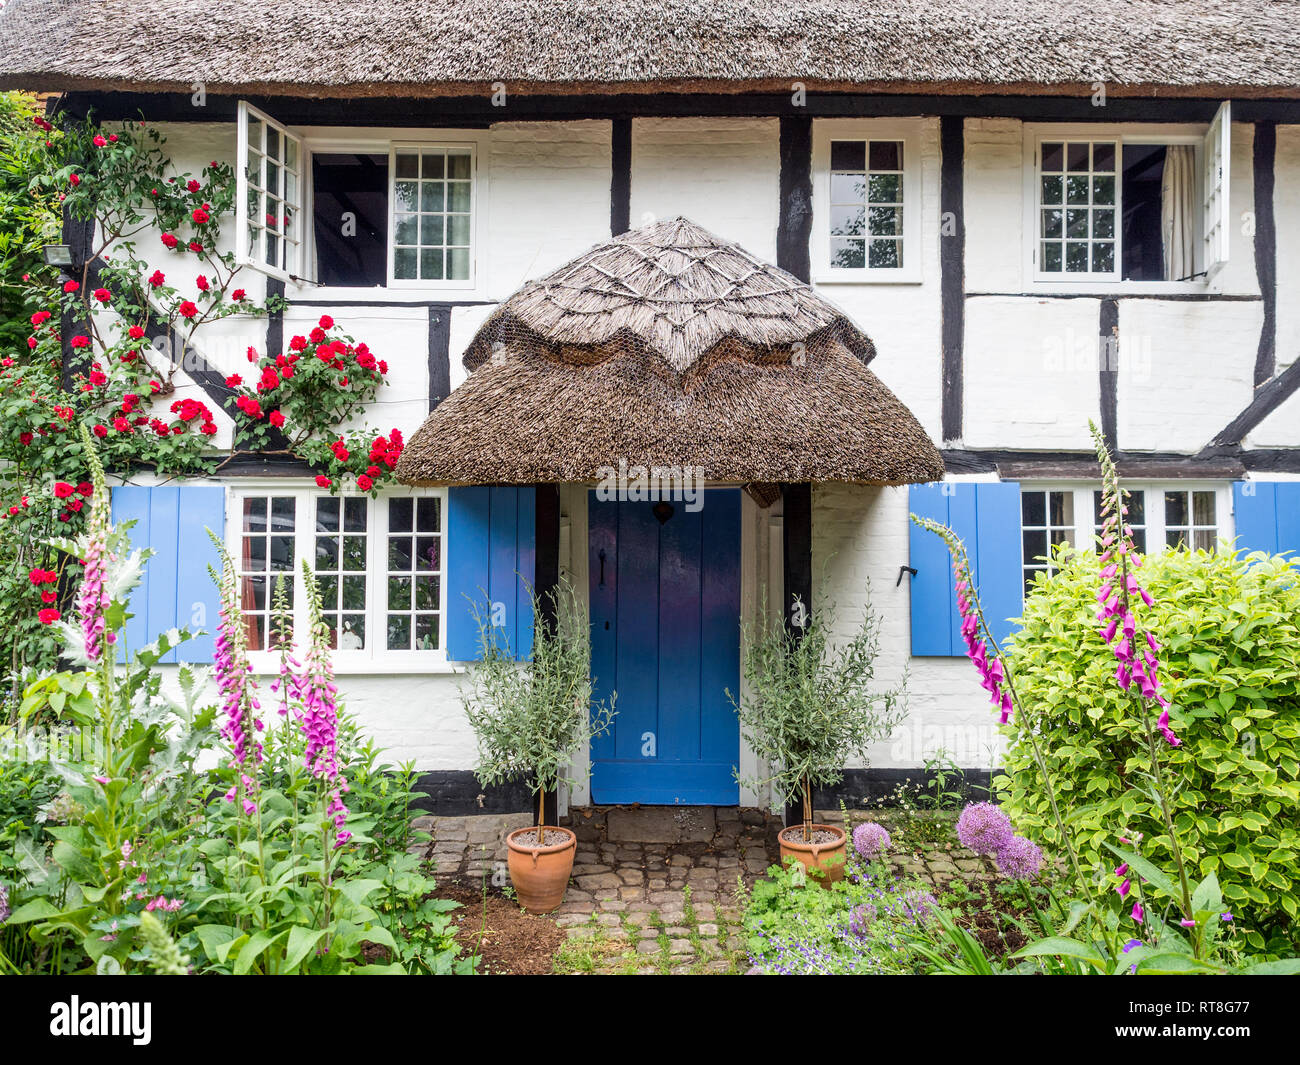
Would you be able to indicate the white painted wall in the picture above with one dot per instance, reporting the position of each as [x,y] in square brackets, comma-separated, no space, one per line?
[722,173]
[1030,372]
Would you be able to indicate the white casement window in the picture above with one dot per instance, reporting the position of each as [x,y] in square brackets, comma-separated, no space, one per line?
[268,202]
[378,565]
[1162,516]
[866,202]
[1131,205]
[432,204]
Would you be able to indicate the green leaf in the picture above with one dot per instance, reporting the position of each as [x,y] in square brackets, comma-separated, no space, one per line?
[301,942]
[252,950]
[36,910]
[1061,946]
[1285,967]
[1146,870]
[1175,963]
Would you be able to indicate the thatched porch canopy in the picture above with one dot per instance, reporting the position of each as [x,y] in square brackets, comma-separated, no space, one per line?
[669,347]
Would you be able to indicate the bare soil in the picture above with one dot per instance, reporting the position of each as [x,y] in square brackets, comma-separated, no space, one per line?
[494,929]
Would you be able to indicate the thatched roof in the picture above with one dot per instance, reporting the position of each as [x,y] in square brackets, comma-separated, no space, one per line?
[669,347]
[450,47]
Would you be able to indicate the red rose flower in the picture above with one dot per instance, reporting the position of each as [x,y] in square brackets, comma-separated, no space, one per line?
[103,295]
[364,483]
[75,505]
[276,418]
[317,335]
[249,406]
[37,576]
[234,381]
[192,185]
[322,481]
[326,322]
[98,378]
[99,141]
[74,180]
[31,343]
[25,439]
[70,286]
[200,216]
[372,471]
[100,431]
[85,488]
[40,318]
[155,387]
[49,616]
[208,429]
[80,342]
[195,247]
[170,240]
[112,138]
[201,283]
[287,372]
[238,295]
[383,366]
[156,279]
[62,489]
[298,344]
[188,309]
[121,425]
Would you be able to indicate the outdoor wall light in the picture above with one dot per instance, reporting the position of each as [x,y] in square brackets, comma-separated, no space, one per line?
[57,255]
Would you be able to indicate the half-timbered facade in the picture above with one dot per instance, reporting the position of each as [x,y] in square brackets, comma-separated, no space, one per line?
[1041,216]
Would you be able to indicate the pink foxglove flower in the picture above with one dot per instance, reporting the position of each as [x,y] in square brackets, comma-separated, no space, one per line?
[1135,671]
[320,717]
[238,692]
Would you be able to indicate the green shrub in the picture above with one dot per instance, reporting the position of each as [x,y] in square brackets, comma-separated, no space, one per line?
[1230,657]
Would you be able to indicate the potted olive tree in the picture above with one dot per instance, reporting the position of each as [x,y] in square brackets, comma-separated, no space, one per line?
[529,717]
[812,705]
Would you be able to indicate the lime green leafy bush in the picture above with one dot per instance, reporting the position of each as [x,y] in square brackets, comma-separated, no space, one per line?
[1230,628]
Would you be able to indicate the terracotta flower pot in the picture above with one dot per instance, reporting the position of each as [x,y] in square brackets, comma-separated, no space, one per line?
[829,858]
[541,874]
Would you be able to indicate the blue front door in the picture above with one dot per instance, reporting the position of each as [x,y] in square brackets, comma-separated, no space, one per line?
[665,614]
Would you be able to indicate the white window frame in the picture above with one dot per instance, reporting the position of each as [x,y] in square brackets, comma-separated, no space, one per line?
[909,133]
[1085,529]
[341,140]
[374,658]
[423,146]
[1194,134]
[293,262]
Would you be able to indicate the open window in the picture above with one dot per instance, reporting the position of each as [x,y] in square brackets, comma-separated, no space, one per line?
[1130,205]
[268,203]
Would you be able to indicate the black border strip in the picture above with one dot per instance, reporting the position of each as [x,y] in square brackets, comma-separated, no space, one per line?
[952,268]
[1265,155]
[1108,364]
[620,177]
[794,216]
[439,353]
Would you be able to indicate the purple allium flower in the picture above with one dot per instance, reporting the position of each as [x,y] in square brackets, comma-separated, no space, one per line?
[918,905]
[860,918]
[984,828]
[871,840]
[1020,859]
[4,904]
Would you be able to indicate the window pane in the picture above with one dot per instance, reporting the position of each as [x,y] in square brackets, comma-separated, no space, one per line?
[327,514]
[350,218]
[354,514]
[1076,257]
[885,188]
[399,632]
[848,155]
[431,229]
[354,593]
[1035,544]
[406,229]
[399,552]
[1053,157]
[426,632]
[458,264]
[431,264]
[1051,190]
[848,254]
[1033,508]
[1053,223]
[1077,157]
[354,552]
[848,221]
[353,634]
[886,155]
[1103,223]
[400,513]
[1203,508]
[404,263]
[458,196]
[432,196]
[431,165]
[1076,190]
[428,514]
[407,196]
[1176,508]
[1052,258]
[848,188]
[1076,223]
[255,514]
[428,554]
[426,593]
[1103,157]
[1103,258]
[399,593]
[327,552]
[886,254]
[408,165]
[1137,508]
[886,221]
[1062,508]
[1103,190]
[458,165]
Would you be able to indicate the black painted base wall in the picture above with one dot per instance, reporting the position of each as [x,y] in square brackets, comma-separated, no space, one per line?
[457,792]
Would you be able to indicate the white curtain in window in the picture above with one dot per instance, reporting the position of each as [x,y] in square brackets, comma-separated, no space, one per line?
[1177,206]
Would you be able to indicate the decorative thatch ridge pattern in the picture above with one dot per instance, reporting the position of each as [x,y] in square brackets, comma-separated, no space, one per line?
[669,349]
[672,288]
[453,47]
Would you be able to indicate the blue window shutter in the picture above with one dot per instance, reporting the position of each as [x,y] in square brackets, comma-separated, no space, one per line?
[131,503]
[996,557]
[1267,515]
[468,543]
[932,602]
[177,590]
[491,553]
[198,600]
[986,516]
